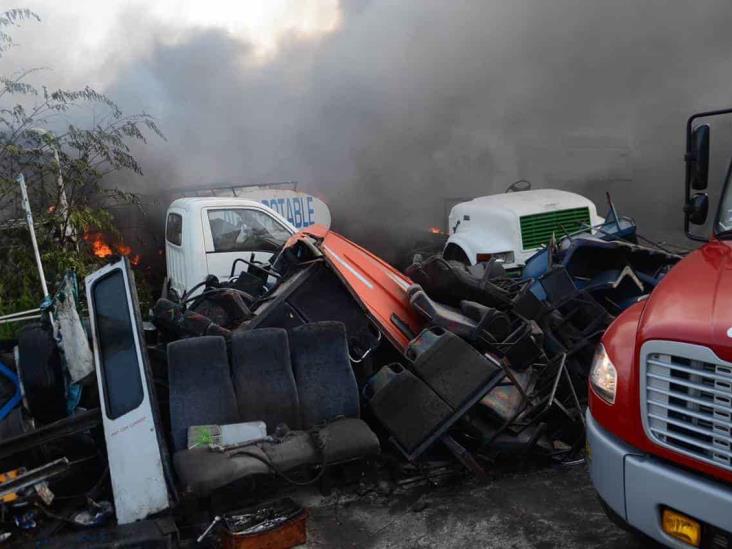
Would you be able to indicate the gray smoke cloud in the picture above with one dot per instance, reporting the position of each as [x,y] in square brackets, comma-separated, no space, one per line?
[411,103]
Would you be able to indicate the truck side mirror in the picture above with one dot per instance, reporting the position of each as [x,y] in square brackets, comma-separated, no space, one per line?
[698,158]
[697,208]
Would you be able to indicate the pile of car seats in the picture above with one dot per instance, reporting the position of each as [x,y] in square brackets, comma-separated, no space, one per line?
[299,383]
[542,343]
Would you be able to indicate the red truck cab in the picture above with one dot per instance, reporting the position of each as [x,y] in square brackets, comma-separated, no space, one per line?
[659,422]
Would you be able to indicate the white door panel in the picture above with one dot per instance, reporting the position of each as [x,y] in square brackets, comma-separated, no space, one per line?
[129,409]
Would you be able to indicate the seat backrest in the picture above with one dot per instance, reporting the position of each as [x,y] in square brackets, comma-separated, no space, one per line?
[453,368]
[410,409]
[263,379]
[449,282]
[439,314]
[201,391]
[325,380]
[558,285]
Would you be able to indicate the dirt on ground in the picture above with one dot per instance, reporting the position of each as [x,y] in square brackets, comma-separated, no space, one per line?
[534,508]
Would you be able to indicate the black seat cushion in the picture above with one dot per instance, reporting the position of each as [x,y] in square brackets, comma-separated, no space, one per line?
[454,369]
[493,324]
[263,380]
[325,380]
[202,471]
[201,391]
[450,282]
[451,376]
[409,409]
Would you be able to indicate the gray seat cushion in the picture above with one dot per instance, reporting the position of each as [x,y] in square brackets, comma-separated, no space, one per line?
[201,471]
[325,380]
[263,380]
[201,391]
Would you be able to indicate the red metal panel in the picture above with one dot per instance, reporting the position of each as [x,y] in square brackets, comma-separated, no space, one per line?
[693,303]
[622,341]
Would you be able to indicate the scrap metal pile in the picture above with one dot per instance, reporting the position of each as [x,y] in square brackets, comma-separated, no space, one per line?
[481,360]
[541,328]
[325,356]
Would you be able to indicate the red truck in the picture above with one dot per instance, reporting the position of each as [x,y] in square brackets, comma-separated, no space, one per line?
[659,422]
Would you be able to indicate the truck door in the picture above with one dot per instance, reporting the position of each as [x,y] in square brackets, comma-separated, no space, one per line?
[249,233]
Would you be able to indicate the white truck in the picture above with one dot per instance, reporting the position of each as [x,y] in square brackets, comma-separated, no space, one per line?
[204,235]
[511,227]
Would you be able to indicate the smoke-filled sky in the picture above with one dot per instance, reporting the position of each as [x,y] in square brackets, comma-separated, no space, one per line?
[388,108]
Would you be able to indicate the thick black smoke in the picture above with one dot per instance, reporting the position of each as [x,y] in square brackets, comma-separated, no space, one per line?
[410,103]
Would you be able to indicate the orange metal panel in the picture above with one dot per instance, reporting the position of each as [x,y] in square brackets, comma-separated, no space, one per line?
[379,287]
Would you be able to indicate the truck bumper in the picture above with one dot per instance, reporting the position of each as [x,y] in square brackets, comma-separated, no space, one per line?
[637,486]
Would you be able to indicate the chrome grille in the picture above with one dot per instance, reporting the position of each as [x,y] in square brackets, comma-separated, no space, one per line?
[687,400]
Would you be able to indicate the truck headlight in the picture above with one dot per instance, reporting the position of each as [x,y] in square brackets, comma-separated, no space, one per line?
[500,257]
[603,376]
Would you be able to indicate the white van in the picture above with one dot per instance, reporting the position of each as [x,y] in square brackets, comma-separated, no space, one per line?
[205,235]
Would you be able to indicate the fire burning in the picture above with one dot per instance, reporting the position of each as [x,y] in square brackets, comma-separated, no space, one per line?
[124,249]
[436,230]
[102,248]
[99,247]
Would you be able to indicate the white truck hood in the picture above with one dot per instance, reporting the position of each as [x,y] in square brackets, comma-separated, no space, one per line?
[529,202]
[492,224]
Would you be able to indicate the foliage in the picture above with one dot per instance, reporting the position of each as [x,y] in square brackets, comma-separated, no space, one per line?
[11,18]
[73,152]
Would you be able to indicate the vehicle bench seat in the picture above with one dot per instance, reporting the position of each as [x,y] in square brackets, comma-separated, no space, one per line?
[201,471]
[302,379]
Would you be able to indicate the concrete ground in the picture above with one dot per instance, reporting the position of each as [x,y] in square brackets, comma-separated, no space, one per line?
[534,508]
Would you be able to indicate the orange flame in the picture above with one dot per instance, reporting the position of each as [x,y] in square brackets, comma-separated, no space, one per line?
[124,249]
[436,230]
[99,247]
[103,249]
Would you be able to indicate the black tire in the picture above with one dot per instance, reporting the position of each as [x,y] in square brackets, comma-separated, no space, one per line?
[40,370]
[618,521]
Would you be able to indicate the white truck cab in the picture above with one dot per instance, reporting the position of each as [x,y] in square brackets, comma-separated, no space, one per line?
[512,226]
[204,235]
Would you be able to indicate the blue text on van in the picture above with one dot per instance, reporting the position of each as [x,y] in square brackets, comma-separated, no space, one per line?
[298,211]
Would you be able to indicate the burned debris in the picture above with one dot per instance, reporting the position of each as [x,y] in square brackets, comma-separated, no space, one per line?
[322,359]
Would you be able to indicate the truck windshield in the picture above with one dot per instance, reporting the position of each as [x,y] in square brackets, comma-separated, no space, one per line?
[723,226]
[243,230]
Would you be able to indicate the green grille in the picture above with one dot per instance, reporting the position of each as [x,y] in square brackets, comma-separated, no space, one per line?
[537,229]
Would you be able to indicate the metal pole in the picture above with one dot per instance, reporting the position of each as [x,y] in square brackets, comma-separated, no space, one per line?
[63,201]
[19,318]
[21,313]
[29,218]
